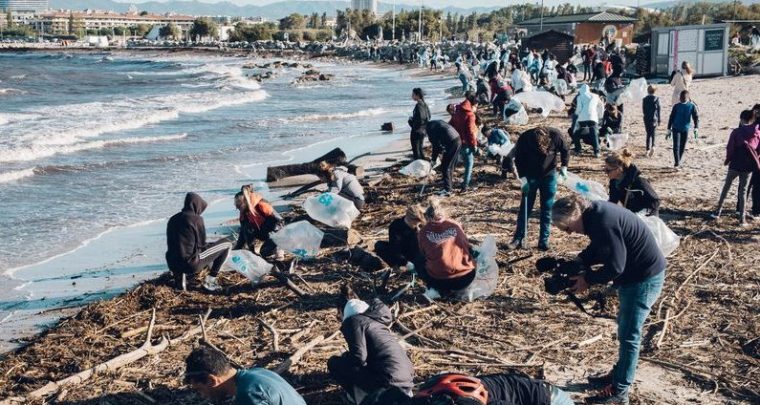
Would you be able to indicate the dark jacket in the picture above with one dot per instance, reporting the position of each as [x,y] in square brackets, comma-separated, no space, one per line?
[371,344]
[611,124]
[420,116]
[738,155]
[634,192]
[512,389]
[442,136]
[651,108]
[403,239]
[622,243]
[530,162]
[186,236]
[682,115]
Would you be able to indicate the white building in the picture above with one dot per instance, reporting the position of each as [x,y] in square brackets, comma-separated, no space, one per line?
[59,22]
[34,6]
[370,5]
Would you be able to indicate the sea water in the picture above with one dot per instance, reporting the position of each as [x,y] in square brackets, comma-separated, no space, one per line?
[96,152]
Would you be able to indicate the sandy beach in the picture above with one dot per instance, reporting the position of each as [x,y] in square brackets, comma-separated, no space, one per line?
[697,346]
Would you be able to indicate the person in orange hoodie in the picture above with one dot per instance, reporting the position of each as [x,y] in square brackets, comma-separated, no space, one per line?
[445,262]
[258,220]
[464,121]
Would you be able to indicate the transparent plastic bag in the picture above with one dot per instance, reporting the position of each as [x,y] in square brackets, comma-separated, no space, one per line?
[617,141]
[331,210]
[501,150]
[245,262]
[667,240]
[560,86]
[588,189]
[487,276]
[420,168]
[635,91]
[299,238]
[521,118]
[544,100]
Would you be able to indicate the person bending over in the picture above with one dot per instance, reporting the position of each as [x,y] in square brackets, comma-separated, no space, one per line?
[374,359]
[612,121]
[627,187]
[445,140]
[587,116]
[188,253]
[402,247]
[627,250]
[343,183]
[258,220]
[445,262]
[209,373]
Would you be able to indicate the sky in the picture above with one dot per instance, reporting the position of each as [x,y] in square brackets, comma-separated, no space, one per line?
[438,3]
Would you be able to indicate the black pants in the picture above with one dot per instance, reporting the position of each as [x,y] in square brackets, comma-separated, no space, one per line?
[679,145]
[214,255]
[417,138]
[508,113]
[498,103]
[754,192]
[449,162]
[651,130]
[442,285]
[391,254]
[344,370]
[587,71]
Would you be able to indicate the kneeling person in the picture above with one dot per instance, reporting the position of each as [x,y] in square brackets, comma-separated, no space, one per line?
[258,220]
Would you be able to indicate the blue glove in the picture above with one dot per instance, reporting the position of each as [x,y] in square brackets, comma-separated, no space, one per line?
[563,173]
[670,133]
[524,186]
[696,134]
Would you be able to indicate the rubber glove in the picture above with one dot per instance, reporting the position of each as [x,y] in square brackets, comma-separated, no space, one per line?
[524,186]
[563,173]
[670,133]
[696,134]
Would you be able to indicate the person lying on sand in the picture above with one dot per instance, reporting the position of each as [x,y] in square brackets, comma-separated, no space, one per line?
[258,220]
[208,372]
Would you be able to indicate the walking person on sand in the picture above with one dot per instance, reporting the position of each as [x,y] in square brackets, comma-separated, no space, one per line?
[418,120]
[652,113]
[754,191]
[681,80]
[465,122]
[679,125]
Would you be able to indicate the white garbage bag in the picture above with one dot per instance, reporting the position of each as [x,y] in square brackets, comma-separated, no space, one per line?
[521,118]
[544,100]
[487,277]
[667,240]
[588,189]
[634,92]
[299,238]
[501,150]
[245,262]
[420,168]
[560,86]
[617,141]
[331,210]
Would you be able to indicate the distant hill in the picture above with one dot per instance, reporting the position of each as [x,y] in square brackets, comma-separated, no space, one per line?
[661,5]
[271,11]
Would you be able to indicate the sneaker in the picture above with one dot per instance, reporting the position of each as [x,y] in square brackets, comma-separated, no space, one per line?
[609,395]
[517,244]
[601,380]
[179,281]
[210,283]
[543,246]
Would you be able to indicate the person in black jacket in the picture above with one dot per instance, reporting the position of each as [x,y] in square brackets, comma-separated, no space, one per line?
[612,121]
[445,139]
[187,251]
[627,187]
[374,359]
[417,122]
[630,257]
[651,108]
[535,156]
[753,191]
[402,247]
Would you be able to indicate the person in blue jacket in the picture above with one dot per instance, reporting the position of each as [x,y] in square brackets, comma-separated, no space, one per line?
[679,125]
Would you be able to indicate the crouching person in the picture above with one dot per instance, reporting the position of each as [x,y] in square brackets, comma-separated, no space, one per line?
[343,183]
[402,247]
[209,373]
[187,253]
[445,263]
[633,262]
[374,359]
[258,220]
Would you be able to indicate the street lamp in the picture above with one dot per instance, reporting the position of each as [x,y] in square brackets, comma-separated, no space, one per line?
[419,27]
[393,32]
[541,26]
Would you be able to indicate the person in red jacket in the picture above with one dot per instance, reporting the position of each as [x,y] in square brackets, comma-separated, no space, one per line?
[258,220]
[501,92]
[465,122]
[445,262]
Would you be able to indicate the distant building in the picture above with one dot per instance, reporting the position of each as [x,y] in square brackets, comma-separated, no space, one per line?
[34,6]
[58,22]
[370,5]
[588,28]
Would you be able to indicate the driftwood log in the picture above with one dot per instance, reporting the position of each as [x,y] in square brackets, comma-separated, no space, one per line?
[335,157]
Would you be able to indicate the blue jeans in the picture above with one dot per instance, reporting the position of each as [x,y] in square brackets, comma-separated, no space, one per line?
[560,397]
[636,302]
[547,186]
[468,156]
[465,83]
[593,136]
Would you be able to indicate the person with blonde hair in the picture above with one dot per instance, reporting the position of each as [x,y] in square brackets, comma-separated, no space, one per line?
[402,247]
[341,182]
[681,80]
[627,187]
[445,262]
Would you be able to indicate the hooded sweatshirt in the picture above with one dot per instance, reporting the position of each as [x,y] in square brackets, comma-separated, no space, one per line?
[463,121]
[738,155]
[682,115]
[446,250]
[372,345]
[186,236]
[587,105]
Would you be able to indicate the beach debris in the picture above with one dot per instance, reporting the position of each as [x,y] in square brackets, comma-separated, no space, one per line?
[616,141]
[543,100]
[331,209]
[335,157]
[588,189]
[299,238]
[420,168]
[487,276]
[387,126]
[247,263]
[667,240]
[365,260]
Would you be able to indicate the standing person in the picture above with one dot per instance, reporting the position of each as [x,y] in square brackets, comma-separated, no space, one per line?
[343,183]
[209,373]
[679,125]
[587,112]
[535,155]
[754,191]
[465,123]
[681,81]
[445,139]
[420,117]
[651,108]
[445,263]
[600,74]
[627,187]
[631,259]
[741,162]
[187,252]
[258,220]
[588,60]
[402,247]
[374,359]
[464,76]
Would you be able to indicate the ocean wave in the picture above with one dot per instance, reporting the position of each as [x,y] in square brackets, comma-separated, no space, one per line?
[15,175]
[371,112]
[11,91]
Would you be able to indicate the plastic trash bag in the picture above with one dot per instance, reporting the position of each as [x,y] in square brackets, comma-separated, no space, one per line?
[331,210]
[588,189]
[419,168]
[299,238]
[544,100]
[616,141]
[245,262]
[487,276]
[667,240]
[521,118]
[501,150]
[634,92]
[560,86]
